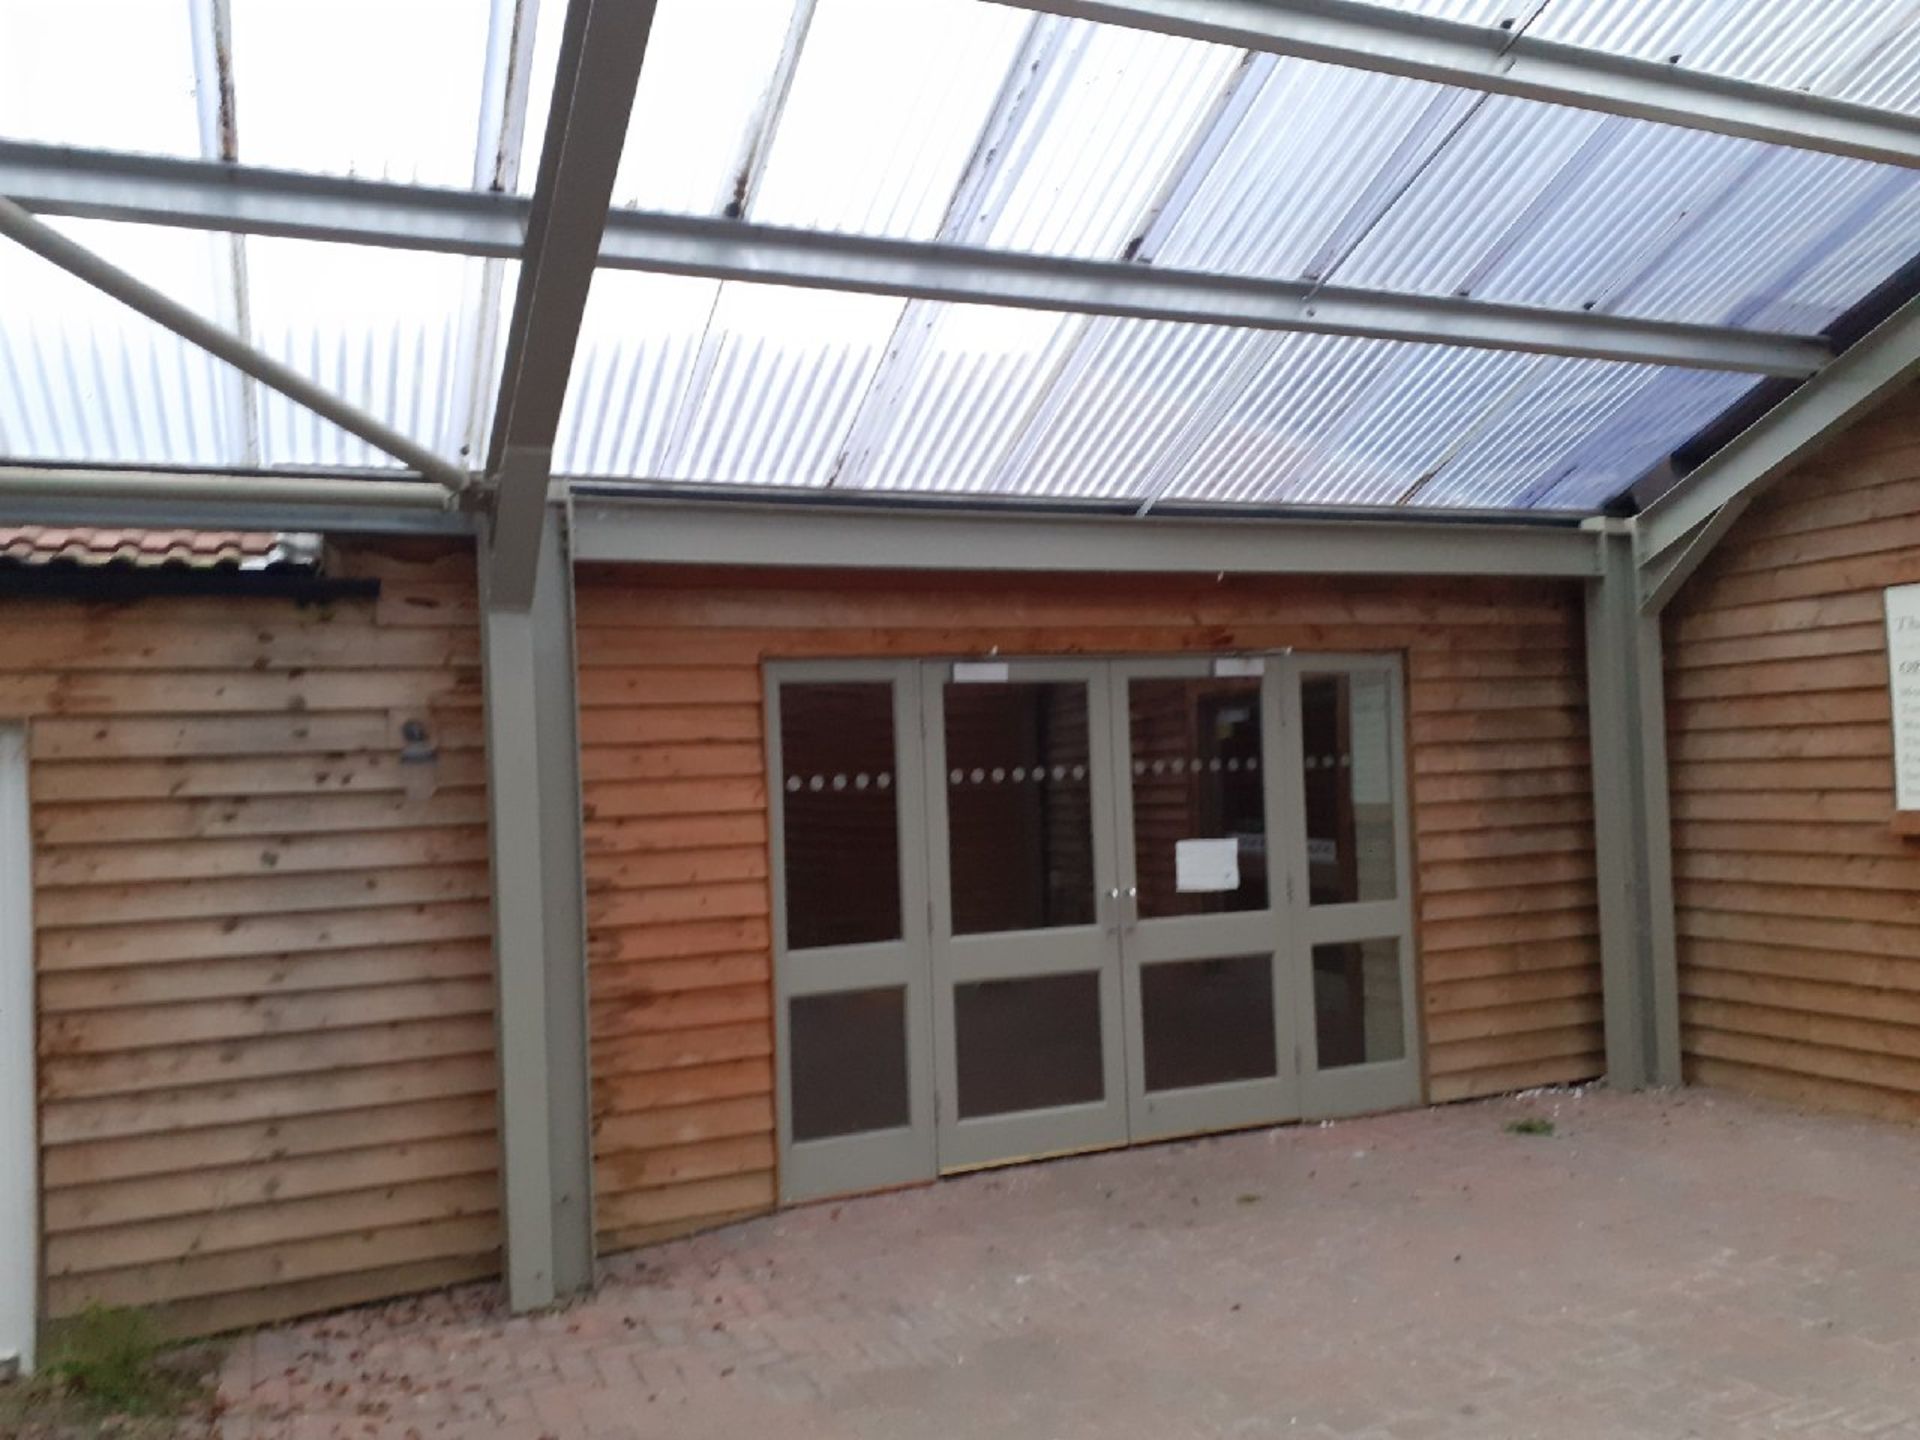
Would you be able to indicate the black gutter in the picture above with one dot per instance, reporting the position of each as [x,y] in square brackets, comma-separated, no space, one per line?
[120,582]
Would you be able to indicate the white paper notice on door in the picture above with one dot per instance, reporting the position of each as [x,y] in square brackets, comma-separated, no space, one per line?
[1206,864]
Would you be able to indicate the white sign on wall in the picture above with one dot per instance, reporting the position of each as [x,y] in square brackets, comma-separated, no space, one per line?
[1903,676]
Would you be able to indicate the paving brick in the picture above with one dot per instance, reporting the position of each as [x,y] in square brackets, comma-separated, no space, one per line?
[1667,1267]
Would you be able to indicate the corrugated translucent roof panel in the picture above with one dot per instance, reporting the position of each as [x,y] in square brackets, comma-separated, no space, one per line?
[1632,196]
[731,384]
[1667,410]
[1529,445]
[1831,47]
[781,374]
[361,87]
[977,124]
[634,368]
[899,133]
[1859,261]
[83,378]
[1394,418]
[1443,193]
[1858,50]
[958,387]
[1306,386]
[387,330]
[693,381]
[1096,145]
[1123,397]
[1890,76]
[1751,253]
[1509,164]
[1295,172]
[710,75]
[103,73]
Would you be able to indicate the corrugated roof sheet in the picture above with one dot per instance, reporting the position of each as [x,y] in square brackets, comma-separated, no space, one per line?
[979,124]
[1866,51]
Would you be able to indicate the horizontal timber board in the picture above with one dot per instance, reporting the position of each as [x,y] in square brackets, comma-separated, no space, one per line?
[260,979]
[219,1149]
[164,1282]
[135,862]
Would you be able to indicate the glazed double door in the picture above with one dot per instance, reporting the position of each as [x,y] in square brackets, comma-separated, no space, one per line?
[1135,899]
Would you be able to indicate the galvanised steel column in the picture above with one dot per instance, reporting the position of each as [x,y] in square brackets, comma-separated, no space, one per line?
[1633,848]
[533,797]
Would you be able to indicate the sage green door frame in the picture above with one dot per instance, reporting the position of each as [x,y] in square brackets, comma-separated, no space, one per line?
[928,961]
[1331,1091]
[1009,957]
[877,1159]
[1159,1114]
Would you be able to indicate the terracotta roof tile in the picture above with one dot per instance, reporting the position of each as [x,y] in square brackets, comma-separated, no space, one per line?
[145,549]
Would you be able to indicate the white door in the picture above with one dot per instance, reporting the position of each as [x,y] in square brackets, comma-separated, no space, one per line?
[19,1184]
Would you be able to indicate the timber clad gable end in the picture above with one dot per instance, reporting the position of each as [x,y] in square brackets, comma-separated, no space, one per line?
[1795,898]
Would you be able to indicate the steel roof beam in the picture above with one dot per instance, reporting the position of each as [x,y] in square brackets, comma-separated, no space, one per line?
[719,249]
[198,195]
[860,536]
[1478,57]
[1676,532]
[597,77]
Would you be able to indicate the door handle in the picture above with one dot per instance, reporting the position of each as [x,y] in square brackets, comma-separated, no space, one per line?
[1130,917]
[1113,910]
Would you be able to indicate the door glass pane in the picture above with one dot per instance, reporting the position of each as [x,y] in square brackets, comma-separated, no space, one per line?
[1196,765]
[1207,1021]
[849,1057]
[1358,1016]
[1345,728]
[842,839]
[1028,1044]
[1019,806]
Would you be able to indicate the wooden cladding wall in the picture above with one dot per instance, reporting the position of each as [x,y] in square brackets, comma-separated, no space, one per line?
[676,830]
[265,985]
[1799,909]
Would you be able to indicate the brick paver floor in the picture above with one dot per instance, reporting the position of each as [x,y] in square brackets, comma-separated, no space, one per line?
[1691,1265]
